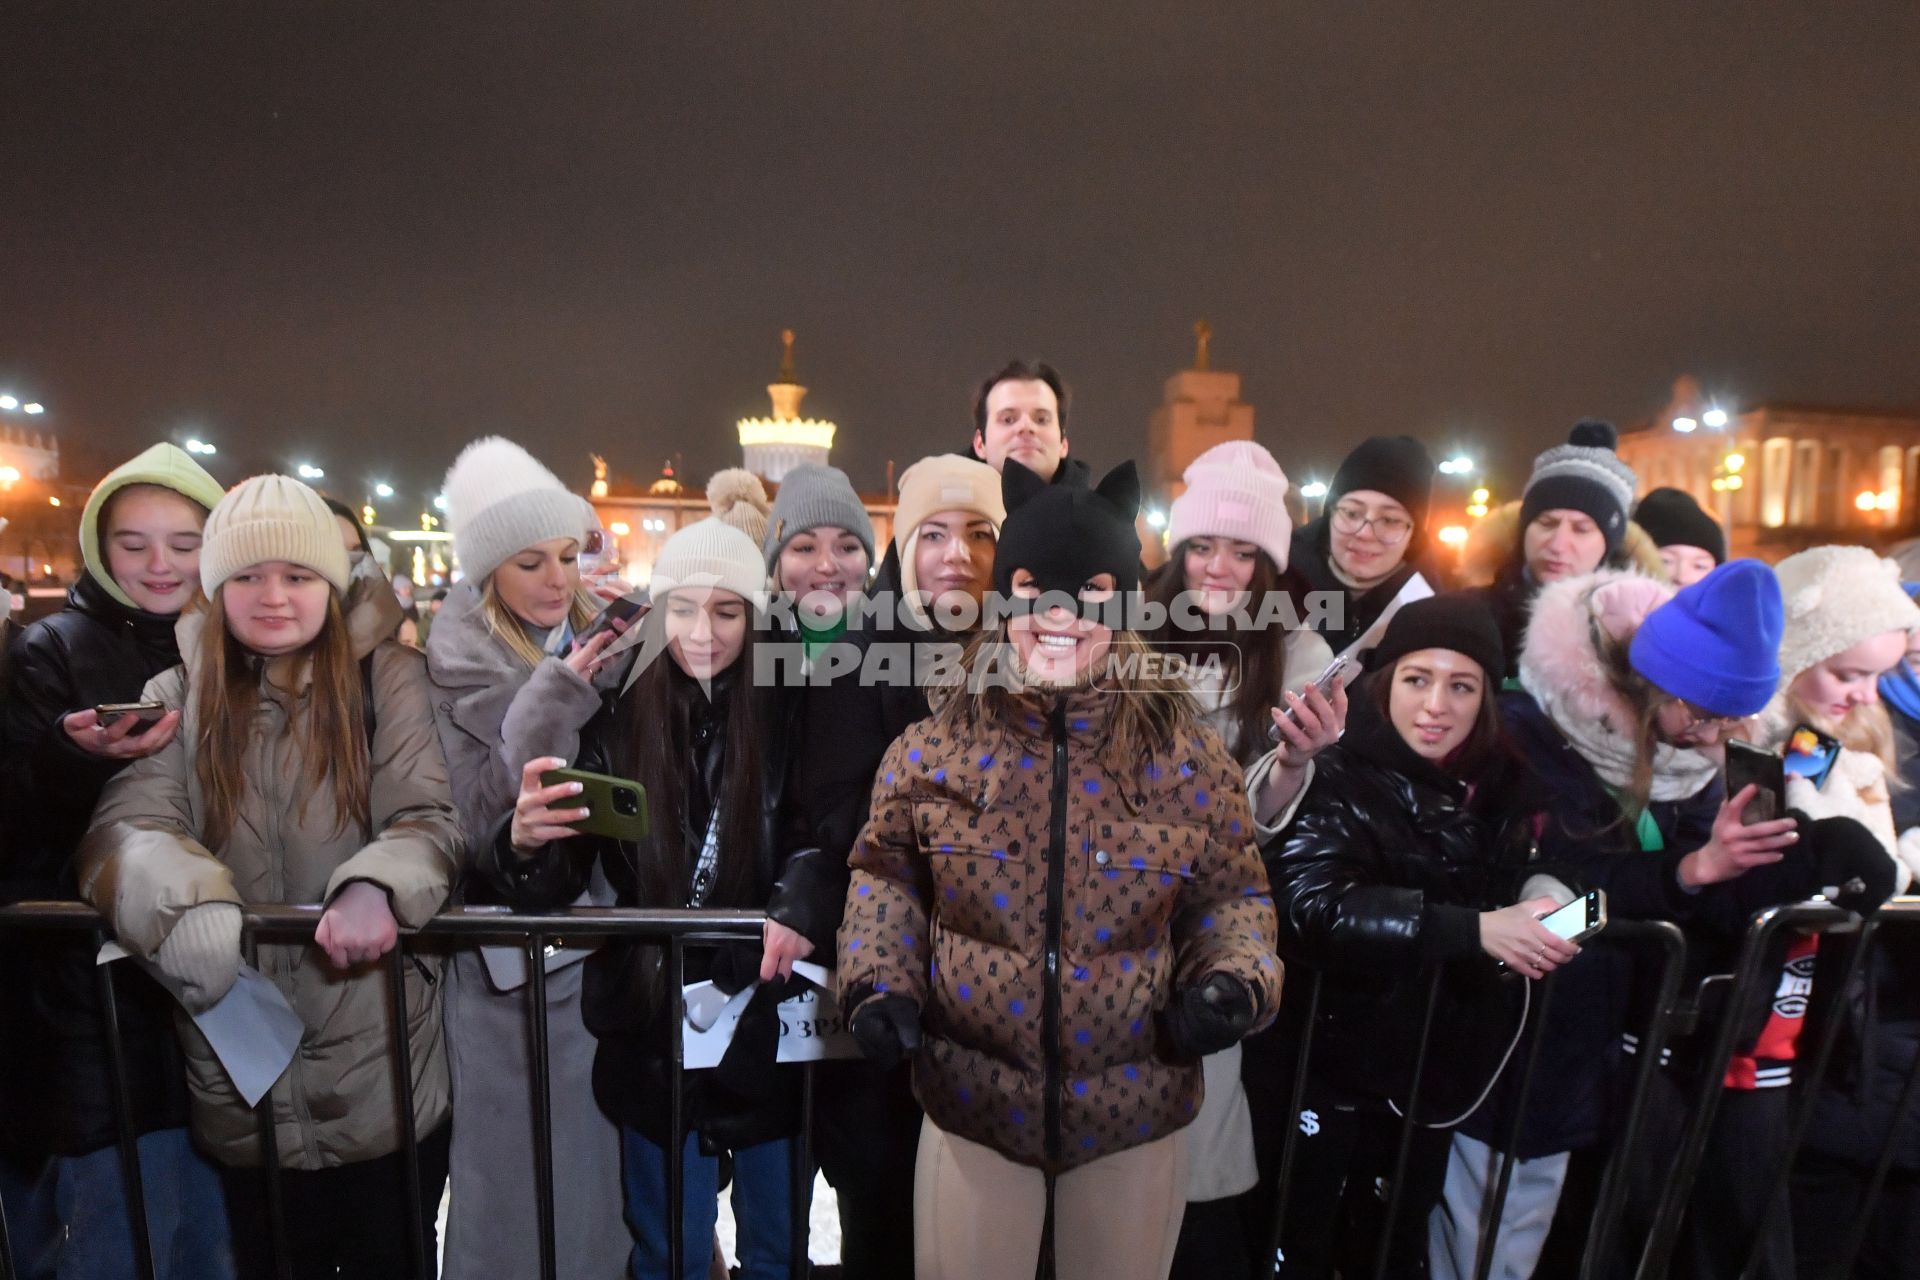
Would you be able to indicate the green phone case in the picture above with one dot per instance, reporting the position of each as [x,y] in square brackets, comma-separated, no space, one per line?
[616,807]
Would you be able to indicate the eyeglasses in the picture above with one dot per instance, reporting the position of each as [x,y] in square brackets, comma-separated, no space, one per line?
[1390,529]
[1700,719]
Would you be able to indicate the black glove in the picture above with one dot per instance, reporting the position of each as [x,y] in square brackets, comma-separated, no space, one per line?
[1856,871]
[888,1029]
[1210,1017]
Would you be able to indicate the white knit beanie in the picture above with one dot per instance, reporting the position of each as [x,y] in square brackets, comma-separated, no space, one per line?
[271,518]
[1836,597]
[710,553]
[501,500]
[1235,490]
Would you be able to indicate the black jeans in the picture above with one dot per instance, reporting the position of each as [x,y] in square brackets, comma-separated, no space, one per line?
[866,1138]
[344,1223]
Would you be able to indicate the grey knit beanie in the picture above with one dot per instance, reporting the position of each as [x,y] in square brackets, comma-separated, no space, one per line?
[812,496]
[1583,475]
[500,501]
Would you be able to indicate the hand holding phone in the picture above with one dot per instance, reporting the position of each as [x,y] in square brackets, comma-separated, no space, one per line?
[609,806]
[1324,705]
[128,731]
[1518,939]
[1580,919]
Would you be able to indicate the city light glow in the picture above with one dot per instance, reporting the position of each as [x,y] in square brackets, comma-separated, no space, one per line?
[1684,425]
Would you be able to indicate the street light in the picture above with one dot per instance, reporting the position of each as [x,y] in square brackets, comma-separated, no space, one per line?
[1458,465]
[1714,418]
[1313,489]
[201,447]
[35,408]
[307,471]
[440,502]
[1684,425]
[1156,518]
[383,490]
[9,403]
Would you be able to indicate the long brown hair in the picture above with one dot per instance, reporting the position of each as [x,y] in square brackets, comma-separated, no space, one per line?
[1646,699]
[1255,656]
[331,737]
[655,749]
[1149,717]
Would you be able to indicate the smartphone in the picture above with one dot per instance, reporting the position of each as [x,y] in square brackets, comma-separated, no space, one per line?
[146,714]
[625,609]
[616,807]
[1748,764]
[1579,919]
[1323,682]
[1811,754]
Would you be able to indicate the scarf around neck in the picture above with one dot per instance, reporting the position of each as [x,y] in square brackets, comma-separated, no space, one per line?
[1678,772]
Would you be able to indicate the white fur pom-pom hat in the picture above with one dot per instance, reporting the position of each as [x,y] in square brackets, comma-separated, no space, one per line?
[1836,597]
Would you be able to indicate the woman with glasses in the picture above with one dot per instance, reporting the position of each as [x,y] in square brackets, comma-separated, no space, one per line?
[1370,537]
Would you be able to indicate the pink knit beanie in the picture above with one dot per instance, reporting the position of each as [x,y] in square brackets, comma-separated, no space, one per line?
[1235,490]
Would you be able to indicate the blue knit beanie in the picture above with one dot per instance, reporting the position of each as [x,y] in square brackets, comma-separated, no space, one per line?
[1716,643]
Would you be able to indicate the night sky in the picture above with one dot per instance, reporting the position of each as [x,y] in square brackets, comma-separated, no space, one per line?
[362,233]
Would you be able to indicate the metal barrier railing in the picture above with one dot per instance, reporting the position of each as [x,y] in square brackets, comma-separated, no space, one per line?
[1671,944]
[676,930]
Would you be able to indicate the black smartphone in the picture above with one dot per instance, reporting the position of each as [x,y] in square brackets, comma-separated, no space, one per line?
[616,807]
[1749,765]
[145,714]
[625,609]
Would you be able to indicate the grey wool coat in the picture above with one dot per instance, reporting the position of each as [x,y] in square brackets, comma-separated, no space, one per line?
[494,715]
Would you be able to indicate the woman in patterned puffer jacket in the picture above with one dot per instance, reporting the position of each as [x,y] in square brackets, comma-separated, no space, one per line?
[1058,883]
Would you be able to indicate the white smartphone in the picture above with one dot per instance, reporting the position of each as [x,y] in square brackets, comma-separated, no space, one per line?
[1579,919]
[1323,682]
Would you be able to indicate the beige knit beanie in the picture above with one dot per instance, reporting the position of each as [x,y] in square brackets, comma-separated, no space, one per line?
[271,518]
[1835,598]
[943,482]
[738,498]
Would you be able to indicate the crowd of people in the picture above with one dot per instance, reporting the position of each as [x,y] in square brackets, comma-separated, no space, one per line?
[1058,826]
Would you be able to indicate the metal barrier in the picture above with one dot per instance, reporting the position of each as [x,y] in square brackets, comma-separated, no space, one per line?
[675,929]
[1749,988]
[1671,946]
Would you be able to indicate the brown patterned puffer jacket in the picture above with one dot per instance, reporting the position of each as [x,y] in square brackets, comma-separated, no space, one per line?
[1041,903]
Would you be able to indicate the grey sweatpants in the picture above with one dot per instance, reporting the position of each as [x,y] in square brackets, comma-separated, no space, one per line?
[1453,1232]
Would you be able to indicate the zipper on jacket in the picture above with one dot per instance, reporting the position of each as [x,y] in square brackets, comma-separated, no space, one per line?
[1056,892]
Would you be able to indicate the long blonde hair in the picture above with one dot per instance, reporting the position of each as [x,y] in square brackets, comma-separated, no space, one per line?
[1866,728]
[505,627]
[331,738]
[1149,717]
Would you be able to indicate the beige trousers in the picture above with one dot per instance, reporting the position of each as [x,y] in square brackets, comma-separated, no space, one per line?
[979,1216]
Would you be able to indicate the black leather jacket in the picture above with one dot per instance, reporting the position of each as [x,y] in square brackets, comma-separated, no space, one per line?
[55,1091]
[1381,875]
[624,1000]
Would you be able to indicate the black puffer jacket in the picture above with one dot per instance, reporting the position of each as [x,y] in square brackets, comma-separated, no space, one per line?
[624,1002]
[57,1091]
[1382,873]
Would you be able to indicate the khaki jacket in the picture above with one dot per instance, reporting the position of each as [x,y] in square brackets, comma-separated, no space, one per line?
[142,864]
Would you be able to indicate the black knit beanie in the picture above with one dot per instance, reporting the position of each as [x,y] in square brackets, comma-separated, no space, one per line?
[1458,620]
[1398,466]
[1672,518]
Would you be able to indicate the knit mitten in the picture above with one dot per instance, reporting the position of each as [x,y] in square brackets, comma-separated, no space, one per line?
[202,953]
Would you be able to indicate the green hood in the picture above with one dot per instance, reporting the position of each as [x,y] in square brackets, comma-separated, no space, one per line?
[166,465]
